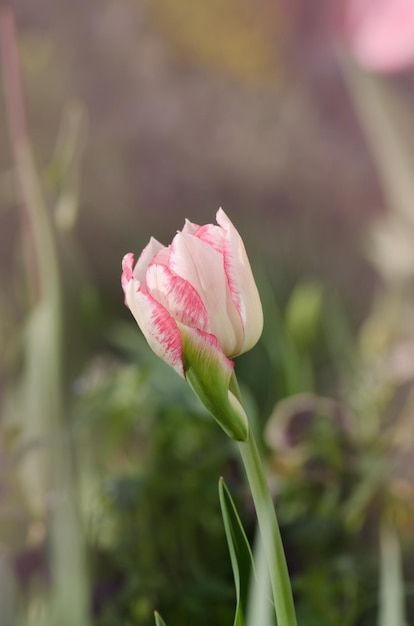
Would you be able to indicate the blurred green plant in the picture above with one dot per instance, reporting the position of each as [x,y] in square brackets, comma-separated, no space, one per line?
[42,451]
[149,501]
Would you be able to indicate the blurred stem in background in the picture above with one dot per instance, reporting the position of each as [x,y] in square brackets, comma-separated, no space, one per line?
[46,467]
[391,578]
[383,118]
[386,123]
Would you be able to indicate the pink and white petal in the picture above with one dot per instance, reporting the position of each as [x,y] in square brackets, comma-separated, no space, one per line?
[151,249]
[127,272]
[241,283]
[157,325]
[189,228]
[198,263]
[162,257]
[211,234]
[178,296]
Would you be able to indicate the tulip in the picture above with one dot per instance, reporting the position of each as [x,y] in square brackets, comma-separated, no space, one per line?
[198,307]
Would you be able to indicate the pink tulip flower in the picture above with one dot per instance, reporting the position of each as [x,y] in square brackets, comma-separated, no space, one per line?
[197,305]
[380,33]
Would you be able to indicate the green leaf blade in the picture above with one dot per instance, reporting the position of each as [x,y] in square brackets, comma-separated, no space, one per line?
[240,552]
[158,619]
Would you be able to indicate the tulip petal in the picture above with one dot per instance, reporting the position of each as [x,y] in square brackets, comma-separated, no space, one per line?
[241,282]
[189,228]
[211,234]
[202,266]
[152,249]
[208,372]
[161,257]
[157,325]
[178,296]
[127,272]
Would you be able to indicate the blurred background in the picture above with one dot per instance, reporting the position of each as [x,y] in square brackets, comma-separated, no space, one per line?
[133,116]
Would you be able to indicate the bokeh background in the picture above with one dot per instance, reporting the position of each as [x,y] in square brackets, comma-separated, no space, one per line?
[141,114]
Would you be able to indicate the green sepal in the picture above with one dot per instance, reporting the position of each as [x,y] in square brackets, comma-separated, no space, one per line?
[209,372]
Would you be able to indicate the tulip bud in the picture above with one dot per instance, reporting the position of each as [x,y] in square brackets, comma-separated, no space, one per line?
[197,305]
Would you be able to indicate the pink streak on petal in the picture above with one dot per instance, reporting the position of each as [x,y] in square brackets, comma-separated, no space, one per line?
[178,296]
[241,283]
[158,327]
[127,264]
[211,234]
[202,266]
[234,261]
[127,272]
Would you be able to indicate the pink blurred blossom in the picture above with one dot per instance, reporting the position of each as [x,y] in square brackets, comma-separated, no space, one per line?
[380,33]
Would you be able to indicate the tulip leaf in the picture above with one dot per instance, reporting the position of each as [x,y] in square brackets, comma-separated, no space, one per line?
[158,619]
[240,552]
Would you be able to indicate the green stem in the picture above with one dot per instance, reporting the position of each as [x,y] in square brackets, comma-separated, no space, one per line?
[269,529]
